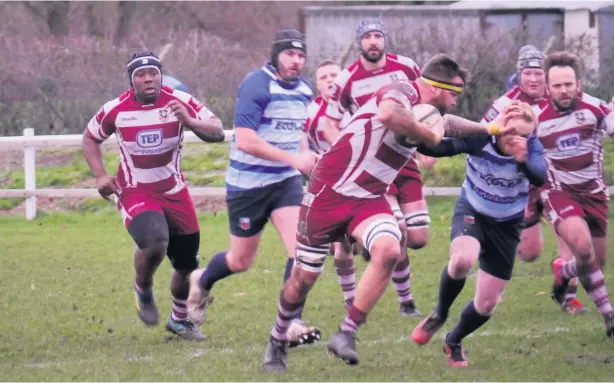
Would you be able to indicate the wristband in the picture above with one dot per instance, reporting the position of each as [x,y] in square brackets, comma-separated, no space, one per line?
[494,129]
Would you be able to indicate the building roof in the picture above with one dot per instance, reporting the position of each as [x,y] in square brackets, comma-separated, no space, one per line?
[566,5]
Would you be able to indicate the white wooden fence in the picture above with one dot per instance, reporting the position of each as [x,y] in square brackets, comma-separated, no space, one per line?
[29,143]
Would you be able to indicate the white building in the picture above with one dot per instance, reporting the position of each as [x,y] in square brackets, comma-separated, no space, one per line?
[549,25]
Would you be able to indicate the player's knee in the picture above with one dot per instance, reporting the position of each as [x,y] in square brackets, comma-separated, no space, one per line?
[581,246]
[381,238]
[417,224]
[240,262]
[385,250]
[527,257]
[183,252]
[528,253]
[460,264]
[418,238]
[302,282]
[486,305]
[150,232]
[311,259]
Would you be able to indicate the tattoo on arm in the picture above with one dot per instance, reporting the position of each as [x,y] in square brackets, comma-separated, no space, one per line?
[455,126]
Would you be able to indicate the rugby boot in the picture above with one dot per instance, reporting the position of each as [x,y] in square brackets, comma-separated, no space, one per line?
[198,299]
[455,355]
[573,306]
[185,330]
[608,321]
[342,346]
[146,308]
[427,328]
[409,309]
[560,284]
[299,334]
[275,356]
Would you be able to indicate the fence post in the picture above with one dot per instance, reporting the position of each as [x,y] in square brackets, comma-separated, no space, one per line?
[30,174]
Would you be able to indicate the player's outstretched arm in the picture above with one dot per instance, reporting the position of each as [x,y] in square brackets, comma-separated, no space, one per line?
[455,126]
[450,147]
[401,121]
[535,166]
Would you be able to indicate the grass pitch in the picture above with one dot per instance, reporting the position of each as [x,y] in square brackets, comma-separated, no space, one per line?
[67,314]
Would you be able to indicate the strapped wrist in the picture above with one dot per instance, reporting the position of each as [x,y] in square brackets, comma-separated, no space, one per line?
[494,128]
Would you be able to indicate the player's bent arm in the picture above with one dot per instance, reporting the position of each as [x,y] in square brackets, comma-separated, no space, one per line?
[535,167]
[426,162]
[304,145]
[449,146]
[93,155]
[401,121]
[209,130]
[248,141]
[331,130]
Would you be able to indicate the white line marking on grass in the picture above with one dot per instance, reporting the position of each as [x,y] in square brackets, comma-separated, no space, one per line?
[257,348]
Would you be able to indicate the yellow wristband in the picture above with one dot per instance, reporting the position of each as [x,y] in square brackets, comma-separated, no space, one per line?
[494,129]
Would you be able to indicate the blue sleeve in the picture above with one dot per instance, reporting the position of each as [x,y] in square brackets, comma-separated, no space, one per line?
[449,147]
[535,168]
[252,99]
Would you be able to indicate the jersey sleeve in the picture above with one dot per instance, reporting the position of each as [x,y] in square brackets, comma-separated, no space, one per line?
[402,93]
[312,116]
[199,109]
[535,168]
[491,113]
[411,68]
[196,108]
[251,101]
[340,99]
[608,120]
[102,125]
[605,118]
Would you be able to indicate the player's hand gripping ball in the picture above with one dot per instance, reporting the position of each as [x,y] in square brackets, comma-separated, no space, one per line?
[430,116]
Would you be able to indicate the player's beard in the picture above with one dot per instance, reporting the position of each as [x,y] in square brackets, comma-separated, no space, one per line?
[562,108]
[147,98]
[373,59]
[441,107]
[287,75]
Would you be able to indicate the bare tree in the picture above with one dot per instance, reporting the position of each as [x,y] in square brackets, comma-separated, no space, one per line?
[125,12]
[53,13]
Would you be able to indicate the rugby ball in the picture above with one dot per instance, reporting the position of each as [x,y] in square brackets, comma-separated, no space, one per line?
[425,113]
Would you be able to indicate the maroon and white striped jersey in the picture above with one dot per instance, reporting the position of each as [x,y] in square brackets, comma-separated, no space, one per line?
[355,85]
[366,157]
[505,100]
[573,145]
[149,138]
[315,125]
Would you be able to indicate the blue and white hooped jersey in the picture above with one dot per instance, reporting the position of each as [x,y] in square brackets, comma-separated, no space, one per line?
[277,111]
[495,185]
